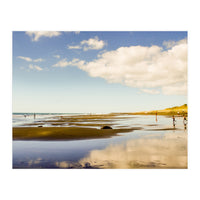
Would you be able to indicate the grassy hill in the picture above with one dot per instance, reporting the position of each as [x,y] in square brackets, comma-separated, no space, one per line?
[177,110]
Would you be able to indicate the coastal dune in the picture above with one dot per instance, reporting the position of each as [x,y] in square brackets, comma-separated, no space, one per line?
[177,110]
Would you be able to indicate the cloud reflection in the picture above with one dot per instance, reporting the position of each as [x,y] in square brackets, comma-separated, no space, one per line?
[34,162]
[155,151]
[169,151]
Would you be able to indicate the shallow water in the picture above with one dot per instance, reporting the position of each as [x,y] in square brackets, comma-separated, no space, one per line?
[152,147]
[21,119]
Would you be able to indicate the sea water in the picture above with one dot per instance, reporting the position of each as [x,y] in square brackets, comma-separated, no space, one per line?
[21,119]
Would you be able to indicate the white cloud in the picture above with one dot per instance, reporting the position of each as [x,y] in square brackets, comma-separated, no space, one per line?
[65,63]
[90,44]
[176,89]
[38,68]
[146,68]
[169,44]
[74,47]
[150,91]
[25,58]
[36,35]
[93,43]
[56,56]
[31,66]
[28,59]
[38,60]
[35,67]
[61,63]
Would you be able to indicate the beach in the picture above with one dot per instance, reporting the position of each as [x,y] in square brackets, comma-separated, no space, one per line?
[70,128]
[78,141]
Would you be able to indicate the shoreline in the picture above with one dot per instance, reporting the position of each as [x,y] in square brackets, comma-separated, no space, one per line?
[80,127]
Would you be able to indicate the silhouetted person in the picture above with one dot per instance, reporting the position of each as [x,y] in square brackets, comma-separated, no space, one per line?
[185,122]
[174,121]
[34,115]
[156,116]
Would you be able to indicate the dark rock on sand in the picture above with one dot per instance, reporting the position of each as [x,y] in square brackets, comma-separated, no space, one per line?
[106,127]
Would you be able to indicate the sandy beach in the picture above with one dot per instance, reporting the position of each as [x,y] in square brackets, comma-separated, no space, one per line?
[78,141]
[88,126]
[70,128]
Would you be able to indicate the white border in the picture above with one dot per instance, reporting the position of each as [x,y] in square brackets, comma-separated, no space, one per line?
[99,15]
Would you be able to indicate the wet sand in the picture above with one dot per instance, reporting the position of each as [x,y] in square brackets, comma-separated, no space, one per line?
[76,128]
[64,133]
[150,152]
[71,128]
[78,120]
[164,146]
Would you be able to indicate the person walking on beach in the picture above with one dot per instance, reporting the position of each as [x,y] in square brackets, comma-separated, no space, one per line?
[185,122]
[156,116]
[174,121]
[34,115]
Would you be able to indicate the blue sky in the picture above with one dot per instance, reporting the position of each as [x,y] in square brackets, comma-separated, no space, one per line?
[98,71]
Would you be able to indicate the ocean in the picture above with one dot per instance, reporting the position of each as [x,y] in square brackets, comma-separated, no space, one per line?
[19,119]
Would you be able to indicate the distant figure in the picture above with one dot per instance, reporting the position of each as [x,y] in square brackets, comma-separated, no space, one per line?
[156,116]
[185,122]
[174,121]
[25,115]
[34,115]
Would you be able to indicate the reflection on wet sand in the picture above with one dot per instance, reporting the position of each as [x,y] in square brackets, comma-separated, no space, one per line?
[169,151]
[34,162]
[150,145]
